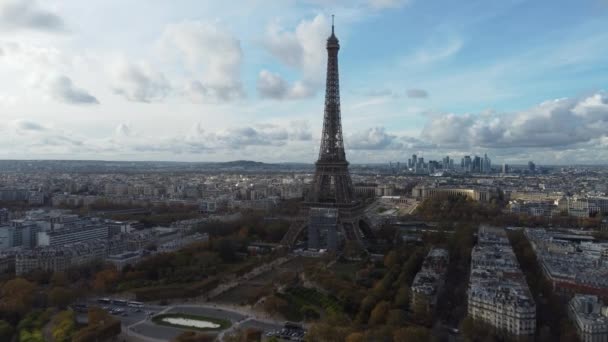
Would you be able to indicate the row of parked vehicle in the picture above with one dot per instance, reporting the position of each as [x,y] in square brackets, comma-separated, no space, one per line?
[290,331]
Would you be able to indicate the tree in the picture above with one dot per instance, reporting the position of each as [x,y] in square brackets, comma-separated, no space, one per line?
[355,337]
[391,259]
[327,332]
[396,318]
[568,332]
[381,333]
[59,279]
[16,296]
[60,297]
[467,327]
[422,313]
[104,279]
[412,334]
[226,249]
[274,305]
[309,312]
[368,303]
[63,326]
[97,315]
[6,331]
[379,313]
[402,298]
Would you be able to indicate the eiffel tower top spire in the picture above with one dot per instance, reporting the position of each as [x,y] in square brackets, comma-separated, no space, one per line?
[332,145]
[332,41]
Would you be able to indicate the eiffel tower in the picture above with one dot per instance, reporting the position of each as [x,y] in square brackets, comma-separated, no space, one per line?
[331,209]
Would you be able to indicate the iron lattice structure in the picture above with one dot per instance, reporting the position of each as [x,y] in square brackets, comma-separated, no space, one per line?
[331,212]
[332,182]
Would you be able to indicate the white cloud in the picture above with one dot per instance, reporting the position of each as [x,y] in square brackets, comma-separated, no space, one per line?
[26,14]
[62,89]
[26,125]
[209,53]
[374,138]
[33,138]
[273,86]
[139,82]
[303,50]
[552,124]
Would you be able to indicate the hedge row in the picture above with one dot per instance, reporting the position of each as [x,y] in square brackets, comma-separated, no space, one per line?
[175,291]
[99,332]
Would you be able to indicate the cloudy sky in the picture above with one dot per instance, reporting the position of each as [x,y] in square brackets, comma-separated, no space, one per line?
[206,80]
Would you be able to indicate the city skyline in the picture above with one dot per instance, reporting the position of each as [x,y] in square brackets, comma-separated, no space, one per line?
[198,82]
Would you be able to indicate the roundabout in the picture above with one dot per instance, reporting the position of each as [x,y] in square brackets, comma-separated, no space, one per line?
[190,321]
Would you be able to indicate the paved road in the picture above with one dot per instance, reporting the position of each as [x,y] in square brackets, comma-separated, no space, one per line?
[137,326]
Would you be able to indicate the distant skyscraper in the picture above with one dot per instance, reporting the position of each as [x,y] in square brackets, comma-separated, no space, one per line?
[466,164]
[505,168]
[531,166]
[476,164]
[487,164]
[446,163]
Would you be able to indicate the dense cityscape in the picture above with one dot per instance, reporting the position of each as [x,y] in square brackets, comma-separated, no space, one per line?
[445,240]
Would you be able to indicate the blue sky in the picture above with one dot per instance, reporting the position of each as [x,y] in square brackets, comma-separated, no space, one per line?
[213,80]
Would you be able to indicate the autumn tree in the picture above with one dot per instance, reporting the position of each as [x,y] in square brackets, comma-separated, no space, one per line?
[191,336]
[6,331]
[104,279]
[63,326]
[368,303]
[16,296]
[336,327]
[60,297]
[274,305]
[356,337]
[396,318]
[59,279]
[379,313]
[391,259]
[412,334]
[402,298]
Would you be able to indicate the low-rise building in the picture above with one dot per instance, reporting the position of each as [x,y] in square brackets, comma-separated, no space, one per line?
[481,194]
[121,260]
[498,293]
[429,281]
[56,259]
[80,231]
[590,317]
[573,264]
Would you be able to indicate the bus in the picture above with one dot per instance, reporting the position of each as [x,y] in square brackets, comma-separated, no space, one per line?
[104,300]
[120,302]
[134,304]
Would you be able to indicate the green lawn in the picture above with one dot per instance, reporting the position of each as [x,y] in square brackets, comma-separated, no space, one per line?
[346,270]
[301,297]
[224,324]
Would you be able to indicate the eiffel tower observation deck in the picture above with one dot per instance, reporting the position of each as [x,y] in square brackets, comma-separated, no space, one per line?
[331,197]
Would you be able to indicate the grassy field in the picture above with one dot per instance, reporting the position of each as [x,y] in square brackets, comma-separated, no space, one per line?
[302,296]
[223,324]
[346,270]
